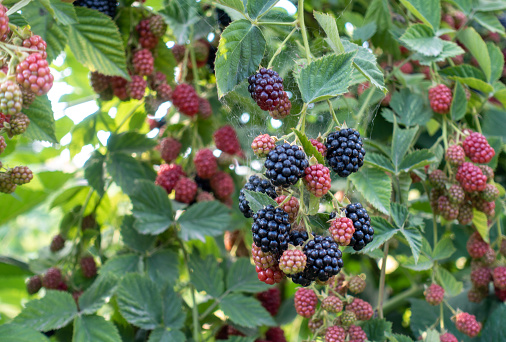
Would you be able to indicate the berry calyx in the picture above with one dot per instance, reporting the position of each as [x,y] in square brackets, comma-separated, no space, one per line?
[317,179]
[440,98]
[342,230]
[305,302]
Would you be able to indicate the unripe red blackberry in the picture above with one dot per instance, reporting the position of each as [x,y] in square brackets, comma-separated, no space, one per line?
[314,324]
[490,193]
[465,214]
[438,179]
[164,92]
[205,109]
[500,294]
[11,98]
[3,145]
[320,146]
[406,68]
[488,208]
[478,149]
[205,163]
[476,247]
[21,175]
[467,324]
[119,87]
[361,309]
[137,87]
[499,276]
[36,43]
[342,230]
[347,318]
[146,38]
[4,21]
[156,79]
[143,62]
[222,185]
[201,49]
[440,98]
[262,145]
[88,267]
[271,275]
[99,82]
[169,149]
[456,194]
[57,243]
[434,195]
[52,278]
[477,294]
[28,97]
[157,25]
[447,209]
[455,155]
[225,139]
[185,99]
[357,284]
[33,73]
[270,300]
[448,337]
[305,302]
[291,207]
[186,190]
[204,196]
[292,261]
[332,304]
[283,108]
[487,171]
[480,277]
[434,294]
[489,257]
[335,334]
[34,284]
[317,179]
[19,124]
[6,184]
[266,88]
[262,259]
[178,51]
[356,334]
[275,334]
[168,175]
[471,177]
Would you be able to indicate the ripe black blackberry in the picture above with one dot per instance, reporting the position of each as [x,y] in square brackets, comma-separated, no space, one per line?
[266,88]
[105,6]
[345,151]
[256,184]
[285,165]
[203,184]
[324,259]
[270,229]
[364,233]
[298,237]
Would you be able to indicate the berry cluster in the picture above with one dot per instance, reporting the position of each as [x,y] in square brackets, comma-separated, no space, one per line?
[266,89]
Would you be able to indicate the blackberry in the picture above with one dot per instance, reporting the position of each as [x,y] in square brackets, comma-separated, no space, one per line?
[499,275]
[169,149]
[270,229]
[203,184]
[438,179]
[332,304]
[471,177]
[205,163]
[99,82]
[319,146]
[434,294]
[447,209]
[146,38]
[356,334]
[107,7]
[261,259]
[440,98]
[335,334]
[347,318]
[222,185]
[283,108]
[275,334]
[57,243]
[255,184]
[345,151]
[481,276]
[285,165]
[137,87]
[34,284]
[262,145]
[225,139]
[186,190]
[270,300]
[324,259]
[489,194]
[266,88]
[364,233]
[298,237]
[305,302]
[292,261]
[143,62]
[448,337]
[478,149]
[52,278]
[477,294]
[467,324]
[21,175]
[361,309]
[317,179]
[11,98]
[205,109]
[357,284]
[157,25]
[88,267]
[19,124]
[476,247]
[456,194]
[271,275]
[342,230]
[168,176]
[291,206]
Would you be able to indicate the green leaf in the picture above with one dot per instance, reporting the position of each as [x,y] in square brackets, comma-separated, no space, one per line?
[494,122]
[94,172]
[379,161]
[432,336]
[308,147]
[399,338]
[421,38]
[96,43]
[402,140]
[206,275]
[450,49]
[204,219]
[95,296]
[139,301]
[151,208]
[489,21]
[459,102]
[494,326]
[258,200]
[480,223]
[237,5]
[414,239]
[20,333]
[444,249]
[54,311]
[375,186]
[409,107]
[122,264]
[496,62]
[378,12]
[164,335]
[125,170]
[94,329]
[42,125]
[130,142]
[422,264]
[241,49]
[242,277]
[376,329]
[245,311]
[325,77]
[428,11]
[383,231]
[329,25]
[133,239]
[477,47]
[365,63]
[417,159]
[449,283]
[365,32]
[399,213]
[257,8]
[163,266]
[180,15]
[64,12]
[173,315]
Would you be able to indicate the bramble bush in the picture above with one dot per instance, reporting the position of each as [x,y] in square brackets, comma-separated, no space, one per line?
[180,170]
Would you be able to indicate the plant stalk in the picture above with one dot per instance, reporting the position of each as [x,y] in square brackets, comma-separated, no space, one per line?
[300,13]
[382,280]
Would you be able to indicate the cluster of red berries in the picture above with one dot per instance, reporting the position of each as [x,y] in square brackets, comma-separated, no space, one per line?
[469,185]
[266,89]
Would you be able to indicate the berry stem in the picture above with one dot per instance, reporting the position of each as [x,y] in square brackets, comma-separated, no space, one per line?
[276,23]
[441,317]
[300,14]
[333,113]
[401,298]
[499,232]
[382,280]
[477,120]
[445,133]
[278,51]
[194,64]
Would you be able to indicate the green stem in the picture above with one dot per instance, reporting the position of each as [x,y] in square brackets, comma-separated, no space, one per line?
[441,317]
[195,309]
[300,14]
[302,119]
[333,113]
[278,51]
[194,64]
[499,232]
[381,294]
[267,11]
[445,133]
[477,121]
[401,298]
[276,23]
